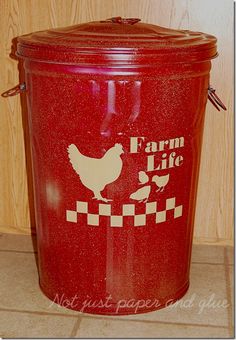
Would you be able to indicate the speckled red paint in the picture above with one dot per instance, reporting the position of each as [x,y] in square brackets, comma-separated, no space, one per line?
[95,85]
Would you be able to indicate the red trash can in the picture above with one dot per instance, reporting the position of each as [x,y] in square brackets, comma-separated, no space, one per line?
[116,115]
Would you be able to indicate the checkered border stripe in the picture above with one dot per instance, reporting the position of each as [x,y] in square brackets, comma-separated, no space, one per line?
[127,210]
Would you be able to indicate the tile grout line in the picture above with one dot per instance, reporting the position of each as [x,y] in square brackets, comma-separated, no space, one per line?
[25,311]
[111,317]
[114,318]
[76,326]
[18,251]
[210,263]
[228,292]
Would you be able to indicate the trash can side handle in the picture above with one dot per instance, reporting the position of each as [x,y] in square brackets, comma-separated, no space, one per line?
[214,99]
[15,90]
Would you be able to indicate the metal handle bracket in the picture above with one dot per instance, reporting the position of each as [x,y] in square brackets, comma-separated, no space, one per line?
[15,90]
[214,99]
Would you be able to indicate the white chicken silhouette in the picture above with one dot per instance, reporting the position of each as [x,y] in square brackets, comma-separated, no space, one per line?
[96,173]
[161,181]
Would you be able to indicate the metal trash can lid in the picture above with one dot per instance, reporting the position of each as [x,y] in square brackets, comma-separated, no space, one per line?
[117,41]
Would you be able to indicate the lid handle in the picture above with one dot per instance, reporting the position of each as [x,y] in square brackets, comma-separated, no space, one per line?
[120,20]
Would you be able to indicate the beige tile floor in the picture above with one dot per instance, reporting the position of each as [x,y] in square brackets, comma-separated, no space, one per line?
[201,313]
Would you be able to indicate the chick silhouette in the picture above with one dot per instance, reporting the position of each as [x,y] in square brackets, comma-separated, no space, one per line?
[143,177]
[141,195]
[161,181]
